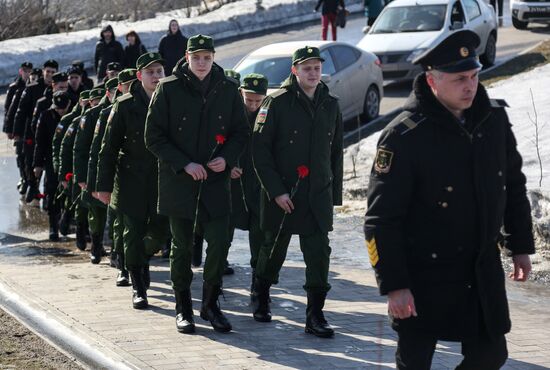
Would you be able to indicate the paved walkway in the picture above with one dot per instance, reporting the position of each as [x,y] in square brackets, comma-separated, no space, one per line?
[58,282]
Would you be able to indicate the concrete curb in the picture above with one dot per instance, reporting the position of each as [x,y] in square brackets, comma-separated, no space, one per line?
[56,334]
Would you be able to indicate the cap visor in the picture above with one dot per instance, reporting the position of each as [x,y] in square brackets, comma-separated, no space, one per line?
[254,91]
[463,65]
[305,60]
[197,50]
[161,61]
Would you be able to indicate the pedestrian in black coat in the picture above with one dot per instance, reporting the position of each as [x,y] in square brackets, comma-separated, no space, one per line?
[446,180]
[107,50]
[133,50]
[172,46]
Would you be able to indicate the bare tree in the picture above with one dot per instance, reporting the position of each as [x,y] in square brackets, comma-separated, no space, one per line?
[535,140]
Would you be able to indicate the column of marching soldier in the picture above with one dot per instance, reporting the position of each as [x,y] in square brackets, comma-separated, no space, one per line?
[148,159]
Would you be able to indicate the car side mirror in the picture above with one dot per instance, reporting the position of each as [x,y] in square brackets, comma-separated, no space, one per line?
[366,29]
[326,78]
[457,25]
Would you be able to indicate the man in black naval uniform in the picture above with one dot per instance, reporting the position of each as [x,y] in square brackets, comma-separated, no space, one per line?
[445,181]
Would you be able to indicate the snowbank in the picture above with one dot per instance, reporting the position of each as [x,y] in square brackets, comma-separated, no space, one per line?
[517,93]
[234,19]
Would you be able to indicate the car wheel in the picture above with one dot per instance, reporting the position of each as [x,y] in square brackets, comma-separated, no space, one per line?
[520,25]
[371,107]
[488,58]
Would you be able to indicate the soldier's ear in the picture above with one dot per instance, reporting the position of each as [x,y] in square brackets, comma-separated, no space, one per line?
[138,75]
[293,70]
[187,57]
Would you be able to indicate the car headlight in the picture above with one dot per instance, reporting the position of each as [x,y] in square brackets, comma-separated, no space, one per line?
[414,54]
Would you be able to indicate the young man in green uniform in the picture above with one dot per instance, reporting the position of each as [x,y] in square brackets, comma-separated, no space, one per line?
[97,212]
[298,156]
[245,187]
[197,129]
[128,172]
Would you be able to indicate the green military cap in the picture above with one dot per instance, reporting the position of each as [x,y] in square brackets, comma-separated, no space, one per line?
[200,42]
[111,84]
[60,100]
[97,93]
[233,74]
[147,59]
[255,83]
[84,95]
[127,75]
[306,53]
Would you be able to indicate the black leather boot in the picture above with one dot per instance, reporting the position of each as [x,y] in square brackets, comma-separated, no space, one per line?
[97,247]
[147,276]
[197,251]
[65,222]
[184,312]
[228,269]
[122,278]
[23,187]
[81,236]
[32,193]
[54,228]
[260,300]
[139,296]
[210,309]
[167,248]
[315,319]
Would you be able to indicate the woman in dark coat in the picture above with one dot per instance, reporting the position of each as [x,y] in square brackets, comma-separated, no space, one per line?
[172,46]
[107,50]
[133,50]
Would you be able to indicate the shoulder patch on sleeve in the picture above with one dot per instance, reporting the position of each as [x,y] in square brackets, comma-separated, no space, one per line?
[262,115]
[59,128]
[82,123]
[498,103]
[382,161]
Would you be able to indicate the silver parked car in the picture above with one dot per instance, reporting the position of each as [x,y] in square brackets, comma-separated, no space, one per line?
[350,73]
[524,12]
[407,28]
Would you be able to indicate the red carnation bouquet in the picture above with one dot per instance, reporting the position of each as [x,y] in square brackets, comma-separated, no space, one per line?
[303,172]
[220,140]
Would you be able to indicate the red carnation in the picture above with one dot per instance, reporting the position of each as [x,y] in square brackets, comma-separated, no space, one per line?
[28,141]
[220,139]
[40,196]
[303,171]
[68,176]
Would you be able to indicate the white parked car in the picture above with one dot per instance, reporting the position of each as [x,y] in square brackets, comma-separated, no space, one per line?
[407,28]
[350,73]
[524,12]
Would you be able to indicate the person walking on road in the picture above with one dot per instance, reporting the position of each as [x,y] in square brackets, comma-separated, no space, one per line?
[445,182]
[329,12]
[107,50]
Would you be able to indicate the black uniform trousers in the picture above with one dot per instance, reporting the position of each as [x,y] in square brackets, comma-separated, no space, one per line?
[415,350]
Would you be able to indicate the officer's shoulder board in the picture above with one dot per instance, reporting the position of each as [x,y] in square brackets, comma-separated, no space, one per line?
[124,99]
[31,84]
[332,95]
[232,80]
[277,93]
[168,79]
[498,103]
[13,84]
[406,121]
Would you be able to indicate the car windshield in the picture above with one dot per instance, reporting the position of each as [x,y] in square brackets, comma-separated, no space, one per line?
[417,18]
[276,69]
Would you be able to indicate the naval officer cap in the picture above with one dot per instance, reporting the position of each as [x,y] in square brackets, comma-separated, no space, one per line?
[456,53]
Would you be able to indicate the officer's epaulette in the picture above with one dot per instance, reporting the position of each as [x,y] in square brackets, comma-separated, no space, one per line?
[31,84]
[13,84]
[106,110]
[233,80]
[407,121]
[169,79]
[333,96]
[278,93]
[124,97]
[498,103]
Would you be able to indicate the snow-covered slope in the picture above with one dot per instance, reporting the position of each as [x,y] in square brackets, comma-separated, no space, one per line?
[517,93]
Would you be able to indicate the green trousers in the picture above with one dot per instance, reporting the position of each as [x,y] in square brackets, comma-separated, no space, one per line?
[97,218]
[316,250]
[216,234]
[118,231]
[255,238]
[140,236]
